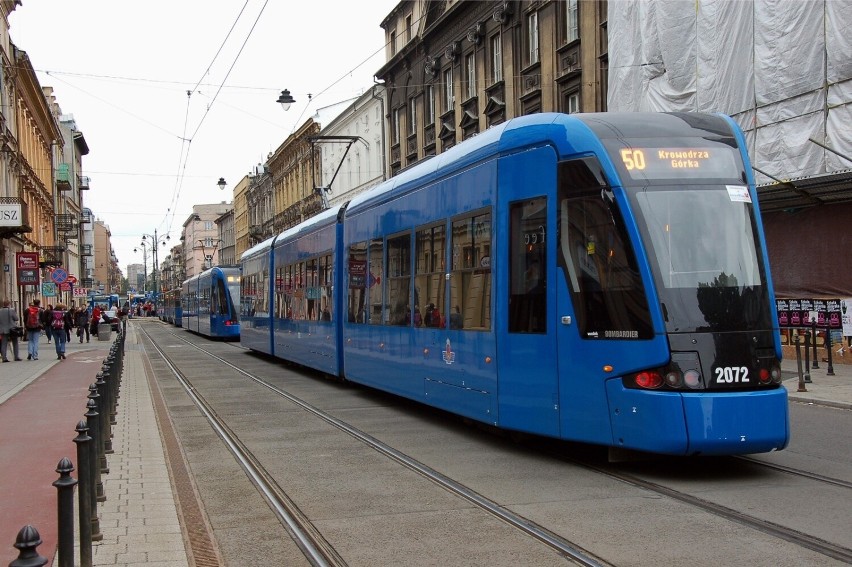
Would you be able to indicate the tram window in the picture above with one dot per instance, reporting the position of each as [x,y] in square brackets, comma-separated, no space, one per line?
[597,257]
[299,311]
[470,284]
[358,283]
[325,289]
[399,280]
[429,272]
[312,290]
[528,266]
[375,285]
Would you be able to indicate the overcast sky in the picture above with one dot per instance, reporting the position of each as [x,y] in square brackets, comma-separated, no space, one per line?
[123,69]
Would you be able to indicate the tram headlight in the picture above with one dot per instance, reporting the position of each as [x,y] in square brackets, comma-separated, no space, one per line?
[674,379]
[692,379]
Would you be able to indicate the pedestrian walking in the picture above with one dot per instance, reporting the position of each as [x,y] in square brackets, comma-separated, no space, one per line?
[33,326]
[58,325]
[8,329]
[83,324]
[69,323]
[95,319]
[47,322]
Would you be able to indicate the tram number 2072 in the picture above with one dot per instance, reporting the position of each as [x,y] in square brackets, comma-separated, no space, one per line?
[732,375]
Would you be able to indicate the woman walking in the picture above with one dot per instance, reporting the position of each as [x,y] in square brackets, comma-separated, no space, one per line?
[58,326]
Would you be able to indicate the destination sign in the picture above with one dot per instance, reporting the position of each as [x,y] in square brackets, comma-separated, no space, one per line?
[678,162]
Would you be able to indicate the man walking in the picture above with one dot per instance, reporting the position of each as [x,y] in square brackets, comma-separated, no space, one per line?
[8,321]
[33,326]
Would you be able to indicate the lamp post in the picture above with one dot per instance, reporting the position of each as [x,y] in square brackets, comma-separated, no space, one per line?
[155,244]
[144,246]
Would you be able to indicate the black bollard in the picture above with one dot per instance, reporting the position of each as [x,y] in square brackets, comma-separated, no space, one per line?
[807,356]
[830,370]
[65,511]
[98,487]
[799,364]
[814,331]
[84,496]
[103,409]
[100,437]
[26,543]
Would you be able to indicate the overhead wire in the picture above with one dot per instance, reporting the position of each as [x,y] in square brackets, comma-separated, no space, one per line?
[184,157]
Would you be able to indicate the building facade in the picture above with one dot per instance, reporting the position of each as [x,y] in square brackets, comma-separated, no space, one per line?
[241,218]
[227,245]
[107,275]
[456,68]
[200,238]
[352,144]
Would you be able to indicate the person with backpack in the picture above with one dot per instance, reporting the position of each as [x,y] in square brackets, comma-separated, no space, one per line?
[57,323]
[47,322]
[33,325]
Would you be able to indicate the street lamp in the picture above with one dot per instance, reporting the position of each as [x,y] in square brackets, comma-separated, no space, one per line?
[155,245]
[285,100]
[221,183]
[144,246]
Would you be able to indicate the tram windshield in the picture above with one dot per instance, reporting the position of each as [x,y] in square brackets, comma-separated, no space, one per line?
[702,244]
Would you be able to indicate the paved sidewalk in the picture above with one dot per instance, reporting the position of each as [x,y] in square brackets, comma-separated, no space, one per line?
[41,402]
[823,389]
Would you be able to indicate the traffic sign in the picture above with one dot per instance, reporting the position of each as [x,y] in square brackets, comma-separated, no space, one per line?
[58,275]
[72,279]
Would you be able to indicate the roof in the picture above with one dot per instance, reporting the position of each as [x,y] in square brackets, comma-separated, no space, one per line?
[803,192]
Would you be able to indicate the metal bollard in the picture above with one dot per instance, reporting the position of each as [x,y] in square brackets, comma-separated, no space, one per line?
[814,331]
[94,464]
[807,356]
[65,512]
[26,543]
[84,496]
[100,438]
[103,409]
[830,370]
[799,364]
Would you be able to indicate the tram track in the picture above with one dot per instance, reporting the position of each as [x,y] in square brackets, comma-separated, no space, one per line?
[797,472]
[310,540]
[793,536]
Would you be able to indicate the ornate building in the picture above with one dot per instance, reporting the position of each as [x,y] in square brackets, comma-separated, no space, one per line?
[241,218]
[295,168]
[456,68]
[38,146]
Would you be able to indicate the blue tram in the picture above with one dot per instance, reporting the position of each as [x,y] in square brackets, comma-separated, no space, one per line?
[209,303]
[599,278]
[170,307]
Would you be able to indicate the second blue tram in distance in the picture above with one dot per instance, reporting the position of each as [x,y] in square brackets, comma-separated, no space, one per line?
[209,303]
[600,278]
[170,309]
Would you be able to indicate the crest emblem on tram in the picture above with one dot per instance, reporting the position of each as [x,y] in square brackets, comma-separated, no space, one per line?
[448,355]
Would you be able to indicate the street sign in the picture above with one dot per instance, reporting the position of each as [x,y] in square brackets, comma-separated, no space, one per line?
[58,275]
[72,279]
[81,292]
[48,289]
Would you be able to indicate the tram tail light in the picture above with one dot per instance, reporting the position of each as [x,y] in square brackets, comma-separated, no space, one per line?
[649,379]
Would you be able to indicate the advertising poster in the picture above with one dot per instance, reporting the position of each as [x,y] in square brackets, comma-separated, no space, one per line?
[846,316]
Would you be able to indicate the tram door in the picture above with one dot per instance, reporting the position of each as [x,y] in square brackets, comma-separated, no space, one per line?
[527,356]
